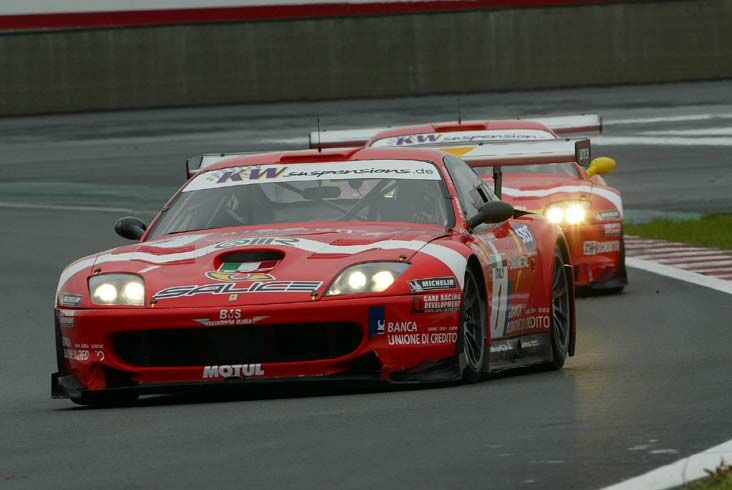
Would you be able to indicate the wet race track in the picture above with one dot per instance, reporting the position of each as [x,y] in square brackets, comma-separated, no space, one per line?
[649,385]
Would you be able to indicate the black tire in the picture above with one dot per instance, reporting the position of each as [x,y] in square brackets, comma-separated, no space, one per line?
[105,399]
[471,332]
[561,312]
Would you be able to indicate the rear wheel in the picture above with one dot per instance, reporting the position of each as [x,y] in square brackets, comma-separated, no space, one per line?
[561,313]
[471,334]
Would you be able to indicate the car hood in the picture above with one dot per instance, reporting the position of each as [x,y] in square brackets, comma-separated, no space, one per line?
[280,265]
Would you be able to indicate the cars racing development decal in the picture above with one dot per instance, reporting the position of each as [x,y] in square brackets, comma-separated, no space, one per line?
[465,137]
[436,303]
[432,284]
[232,371]
[258,174]
[594,248]
[231,288]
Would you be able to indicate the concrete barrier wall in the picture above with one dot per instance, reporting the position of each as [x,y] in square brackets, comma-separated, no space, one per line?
[413,54]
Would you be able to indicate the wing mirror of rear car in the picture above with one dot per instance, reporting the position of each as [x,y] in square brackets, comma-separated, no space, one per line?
[130,227]
[601,165]
[491,212]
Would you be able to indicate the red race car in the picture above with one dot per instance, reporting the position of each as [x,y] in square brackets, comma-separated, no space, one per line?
[391,264]
[574,196]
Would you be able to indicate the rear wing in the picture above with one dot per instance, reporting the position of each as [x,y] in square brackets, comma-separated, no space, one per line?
[539,152]
[196,164]
[342,138]
[524,152]
[583,123]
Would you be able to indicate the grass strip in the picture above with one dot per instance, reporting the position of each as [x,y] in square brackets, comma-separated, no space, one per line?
[712,230]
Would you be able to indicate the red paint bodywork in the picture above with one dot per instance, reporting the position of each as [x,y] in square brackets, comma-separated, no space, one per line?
[87,332]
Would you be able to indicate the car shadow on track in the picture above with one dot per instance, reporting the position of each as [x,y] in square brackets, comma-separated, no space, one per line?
[264,391]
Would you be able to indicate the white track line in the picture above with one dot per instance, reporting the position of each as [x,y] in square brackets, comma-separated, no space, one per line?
[680,472]
[726,131]
[681,274]
[662,141]
[54,207]
[646,120]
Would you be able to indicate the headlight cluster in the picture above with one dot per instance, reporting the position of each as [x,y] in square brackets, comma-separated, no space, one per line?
[371,277]
[569,213]
[117,289]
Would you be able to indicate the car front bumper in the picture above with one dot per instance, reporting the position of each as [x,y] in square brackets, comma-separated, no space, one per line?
[161,350]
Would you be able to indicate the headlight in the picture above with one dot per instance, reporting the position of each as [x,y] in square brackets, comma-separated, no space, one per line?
[569,213]
[117,289]
[371,277]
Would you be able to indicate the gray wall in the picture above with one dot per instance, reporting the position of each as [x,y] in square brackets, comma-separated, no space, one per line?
[415,54]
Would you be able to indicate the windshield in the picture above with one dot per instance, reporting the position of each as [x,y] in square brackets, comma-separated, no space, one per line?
[383,190]
[569,169]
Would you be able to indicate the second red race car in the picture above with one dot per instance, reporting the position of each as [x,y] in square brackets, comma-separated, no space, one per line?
[574,196]
[386,264]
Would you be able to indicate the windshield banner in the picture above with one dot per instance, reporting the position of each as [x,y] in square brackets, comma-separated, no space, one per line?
[265,174]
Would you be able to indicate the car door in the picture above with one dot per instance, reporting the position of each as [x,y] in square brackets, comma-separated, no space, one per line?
[501,244]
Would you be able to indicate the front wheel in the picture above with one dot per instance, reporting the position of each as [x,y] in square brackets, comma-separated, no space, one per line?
[561,313]
[471,334]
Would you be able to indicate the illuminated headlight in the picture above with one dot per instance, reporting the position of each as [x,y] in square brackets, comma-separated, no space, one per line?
[555,214]
[568,213]
[371,277]
[575,214]
[117,289]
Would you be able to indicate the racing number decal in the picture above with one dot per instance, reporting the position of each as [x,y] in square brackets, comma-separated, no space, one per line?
[499,302]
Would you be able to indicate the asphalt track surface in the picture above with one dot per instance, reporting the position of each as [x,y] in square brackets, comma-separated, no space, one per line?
[649,385]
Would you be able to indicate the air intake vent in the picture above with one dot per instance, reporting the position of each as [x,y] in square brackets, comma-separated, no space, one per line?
[253,256]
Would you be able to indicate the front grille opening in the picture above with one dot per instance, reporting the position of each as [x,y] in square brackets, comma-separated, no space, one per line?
[261,344]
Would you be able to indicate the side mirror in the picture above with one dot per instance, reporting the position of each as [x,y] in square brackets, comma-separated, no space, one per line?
[491,212]
[601,165]
[130,227]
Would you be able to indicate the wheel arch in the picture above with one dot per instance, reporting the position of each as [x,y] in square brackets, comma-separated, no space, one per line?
[561,244]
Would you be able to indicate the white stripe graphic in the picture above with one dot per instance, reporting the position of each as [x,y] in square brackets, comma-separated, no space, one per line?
[609,195]
[449,257]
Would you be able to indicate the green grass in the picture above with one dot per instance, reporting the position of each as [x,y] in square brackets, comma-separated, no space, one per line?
[718,479]
[713,230]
